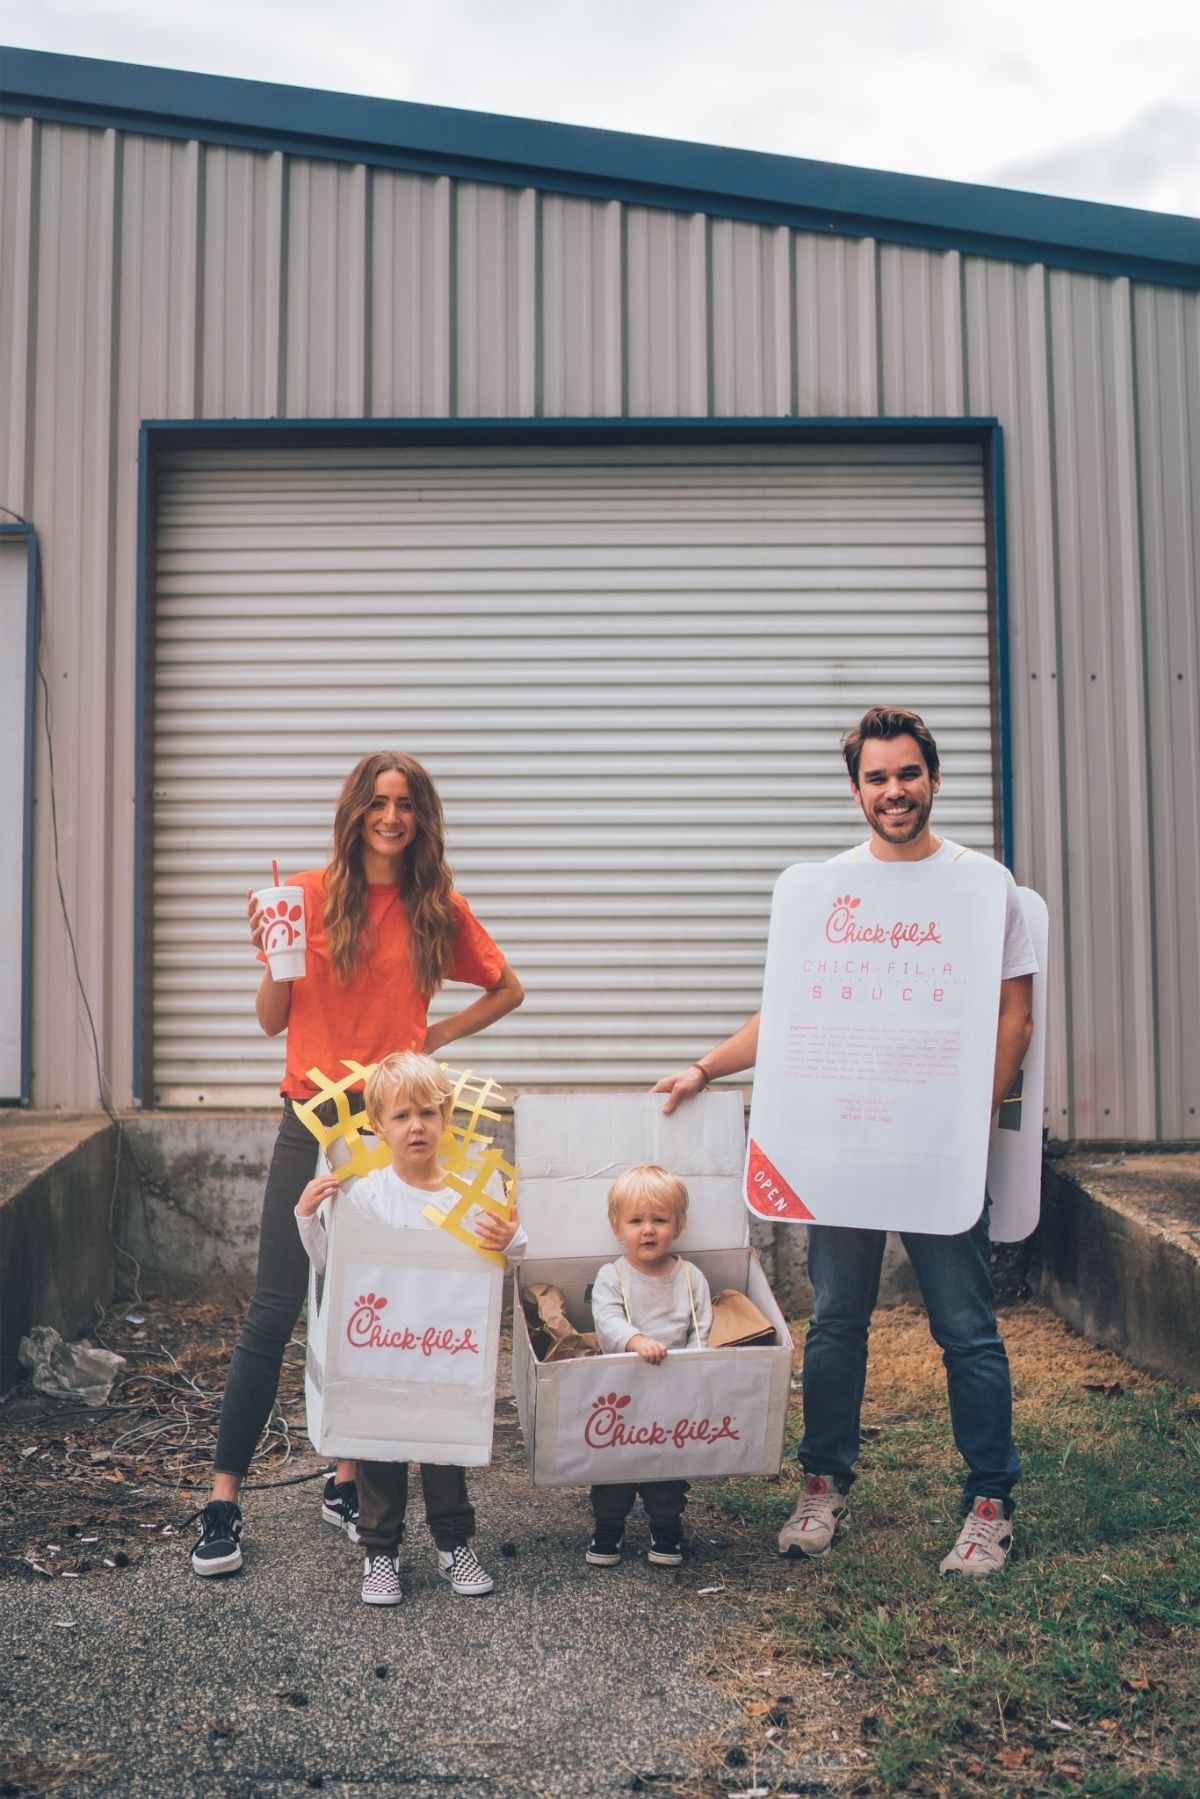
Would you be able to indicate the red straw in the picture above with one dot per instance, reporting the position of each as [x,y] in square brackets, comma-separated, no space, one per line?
[274,872]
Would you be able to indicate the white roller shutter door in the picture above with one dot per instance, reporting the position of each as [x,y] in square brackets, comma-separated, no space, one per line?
[627,669]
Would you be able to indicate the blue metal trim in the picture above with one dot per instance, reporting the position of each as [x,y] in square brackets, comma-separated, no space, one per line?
[575,159]
[140,752]
[32,575]
[995,454]
[321,433]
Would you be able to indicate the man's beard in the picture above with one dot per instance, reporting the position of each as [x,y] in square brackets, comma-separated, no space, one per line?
[905,828]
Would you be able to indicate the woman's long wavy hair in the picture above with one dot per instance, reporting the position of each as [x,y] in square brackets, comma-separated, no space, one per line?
[425,879]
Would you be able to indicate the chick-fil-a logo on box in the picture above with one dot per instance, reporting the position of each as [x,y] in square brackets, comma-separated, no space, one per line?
[605,1428]
[365,1331]
[842,927]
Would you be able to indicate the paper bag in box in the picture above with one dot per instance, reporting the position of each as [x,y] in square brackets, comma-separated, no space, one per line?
[614,1417]
[403,1338]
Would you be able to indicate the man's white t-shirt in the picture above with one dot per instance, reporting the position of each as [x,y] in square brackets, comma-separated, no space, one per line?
[1019,957]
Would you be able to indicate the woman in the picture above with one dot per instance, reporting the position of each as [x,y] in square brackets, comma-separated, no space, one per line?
[385,929]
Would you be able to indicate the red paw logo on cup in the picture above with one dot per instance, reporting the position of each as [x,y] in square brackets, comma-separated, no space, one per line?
[279,925]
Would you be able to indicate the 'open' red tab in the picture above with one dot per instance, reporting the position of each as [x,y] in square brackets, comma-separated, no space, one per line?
[767,1193]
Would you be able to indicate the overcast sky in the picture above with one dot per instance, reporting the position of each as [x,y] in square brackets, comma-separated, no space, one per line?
[1100,101]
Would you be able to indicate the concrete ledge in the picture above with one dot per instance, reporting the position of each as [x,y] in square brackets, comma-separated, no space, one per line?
[196,1208]
[1117,1254]
[56,1255]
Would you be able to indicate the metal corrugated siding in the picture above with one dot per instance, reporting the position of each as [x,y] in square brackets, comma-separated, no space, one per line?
[1167,376]
[1102,688]
[467,299]
[1007,358]
[626,670]
[581,309]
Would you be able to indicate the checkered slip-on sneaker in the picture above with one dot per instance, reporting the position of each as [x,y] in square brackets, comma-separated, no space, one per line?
[462,1568]
[381,1581]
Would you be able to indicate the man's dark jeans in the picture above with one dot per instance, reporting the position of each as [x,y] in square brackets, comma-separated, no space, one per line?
[956,1285]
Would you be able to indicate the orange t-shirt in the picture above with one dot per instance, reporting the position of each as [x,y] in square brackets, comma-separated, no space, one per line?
[381,1010]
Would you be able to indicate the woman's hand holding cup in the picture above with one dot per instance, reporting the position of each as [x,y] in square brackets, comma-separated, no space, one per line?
[276,917]
[254,913]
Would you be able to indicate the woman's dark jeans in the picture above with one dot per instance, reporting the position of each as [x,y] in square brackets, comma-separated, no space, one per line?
[279,1289]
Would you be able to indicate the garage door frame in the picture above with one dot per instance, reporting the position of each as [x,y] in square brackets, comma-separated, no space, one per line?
[159,435]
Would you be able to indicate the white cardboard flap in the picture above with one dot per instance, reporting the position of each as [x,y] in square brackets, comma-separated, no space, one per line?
[571,1147]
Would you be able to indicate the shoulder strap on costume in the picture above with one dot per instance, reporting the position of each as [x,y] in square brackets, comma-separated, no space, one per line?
[687,1275]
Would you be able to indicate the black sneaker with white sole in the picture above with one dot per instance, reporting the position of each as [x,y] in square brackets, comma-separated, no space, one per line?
[666,1543]
[339,1506]
[604,1550]
[218,1548]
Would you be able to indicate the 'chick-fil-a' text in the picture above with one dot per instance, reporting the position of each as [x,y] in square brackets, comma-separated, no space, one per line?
[841,927]
[605,1428]
[364,1331]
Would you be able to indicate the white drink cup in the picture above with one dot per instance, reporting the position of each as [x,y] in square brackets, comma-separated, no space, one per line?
[283,930]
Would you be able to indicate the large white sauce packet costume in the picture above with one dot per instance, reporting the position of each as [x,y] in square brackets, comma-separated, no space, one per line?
[876,1054]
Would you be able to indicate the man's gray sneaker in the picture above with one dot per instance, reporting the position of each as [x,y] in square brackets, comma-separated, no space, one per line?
[820,1517]
[984,1542]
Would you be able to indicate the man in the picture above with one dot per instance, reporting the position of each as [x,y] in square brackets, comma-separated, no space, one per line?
[892,761]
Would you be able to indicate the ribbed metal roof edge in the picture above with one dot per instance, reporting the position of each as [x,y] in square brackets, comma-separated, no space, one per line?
[666,172]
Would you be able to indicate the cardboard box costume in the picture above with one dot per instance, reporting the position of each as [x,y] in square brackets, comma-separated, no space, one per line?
[611,1418]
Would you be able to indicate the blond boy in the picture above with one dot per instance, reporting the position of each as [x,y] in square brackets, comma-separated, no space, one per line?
[408,1101]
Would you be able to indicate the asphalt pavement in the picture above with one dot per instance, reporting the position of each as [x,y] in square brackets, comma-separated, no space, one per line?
[567,1680]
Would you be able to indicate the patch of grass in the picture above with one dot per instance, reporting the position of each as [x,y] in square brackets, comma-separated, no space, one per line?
[1076,1671]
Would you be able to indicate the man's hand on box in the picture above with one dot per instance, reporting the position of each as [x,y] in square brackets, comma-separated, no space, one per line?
[496,1233]
[648,1348]
[314,1195]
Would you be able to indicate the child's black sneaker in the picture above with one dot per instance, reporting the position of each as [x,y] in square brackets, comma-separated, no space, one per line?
[465,1572]
[666,1543]
[218,1548]
[339,1506]
[381,1581]
[604,1550]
